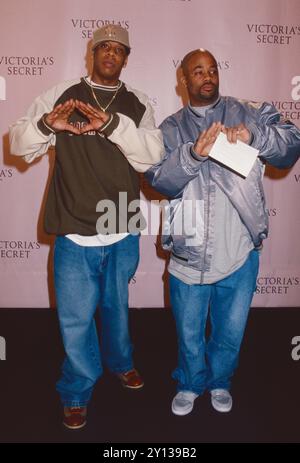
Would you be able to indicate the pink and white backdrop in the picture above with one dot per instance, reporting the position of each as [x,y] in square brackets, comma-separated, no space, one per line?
[257,46]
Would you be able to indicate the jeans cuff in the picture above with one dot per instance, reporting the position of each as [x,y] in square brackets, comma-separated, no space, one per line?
[74,403]
[196,390]
[122,370]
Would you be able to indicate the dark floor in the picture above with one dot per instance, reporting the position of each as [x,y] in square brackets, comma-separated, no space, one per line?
[265,389]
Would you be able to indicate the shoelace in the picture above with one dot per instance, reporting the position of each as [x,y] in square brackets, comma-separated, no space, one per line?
[75,409]
[185,395]
[221,396]
[129,373]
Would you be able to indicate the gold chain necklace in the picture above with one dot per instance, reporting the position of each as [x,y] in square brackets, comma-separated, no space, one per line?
[110,102]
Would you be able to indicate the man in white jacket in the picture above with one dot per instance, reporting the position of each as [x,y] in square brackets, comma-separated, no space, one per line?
[104,133]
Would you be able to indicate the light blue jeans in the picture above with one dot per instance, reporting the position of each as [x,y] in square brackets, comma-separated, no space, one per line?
[209,364]
[85,278]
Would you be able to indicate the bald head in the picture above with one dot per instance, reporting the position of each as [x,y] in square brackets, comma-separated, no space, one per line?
[191,54]
[201,77]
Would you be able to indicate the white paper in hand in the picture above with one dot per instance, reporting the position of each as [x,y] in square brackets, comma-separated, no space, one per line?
[239,156]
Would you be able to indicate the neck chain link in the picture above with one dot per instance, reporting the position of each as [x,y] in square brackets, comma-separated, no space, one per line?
[104,108]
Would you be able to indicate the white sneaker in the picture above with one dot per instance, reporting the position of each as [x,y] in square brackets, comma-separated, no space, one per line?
[221,400]
[183,402]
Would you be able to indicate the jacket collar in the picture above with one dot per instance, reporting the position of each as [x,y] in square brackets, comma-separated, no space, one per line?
[214,106]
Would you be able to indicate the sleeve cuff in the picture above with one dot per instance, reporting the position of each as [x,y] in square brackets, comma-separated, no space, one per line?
[254,135]
[43,127]
[112,123]
[196,156]
[251,138]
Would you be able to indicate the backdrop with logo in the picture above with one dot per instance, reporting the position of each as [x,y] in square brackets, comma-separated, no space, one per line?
[45,42]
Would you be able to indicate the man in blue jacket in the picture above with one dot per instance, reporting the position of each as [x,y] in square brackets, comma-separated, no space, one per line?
[214,264]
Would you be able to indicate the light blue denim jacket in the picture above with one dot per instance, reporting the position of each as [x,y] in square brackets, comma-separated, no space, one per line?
[181,175]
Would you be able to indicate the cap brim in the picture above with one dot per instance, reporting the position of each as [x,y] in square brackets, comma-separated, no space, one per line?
[107,40]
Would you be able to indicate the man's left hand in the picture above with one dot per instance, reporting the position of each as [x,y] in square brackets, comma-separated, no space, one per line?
[239,132]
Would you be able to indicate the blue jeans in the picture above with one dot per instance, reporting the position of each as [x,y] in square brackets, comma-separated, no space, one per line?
[87,277]
[209,364]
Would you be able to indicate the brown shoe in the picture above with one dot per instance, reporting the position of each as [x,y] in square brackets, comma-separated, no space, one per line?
[131,379]
[75,417]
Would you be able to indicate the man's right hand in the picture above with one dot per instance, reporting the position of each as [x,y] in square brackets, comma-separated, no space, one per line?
[206,139]
[58,119]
